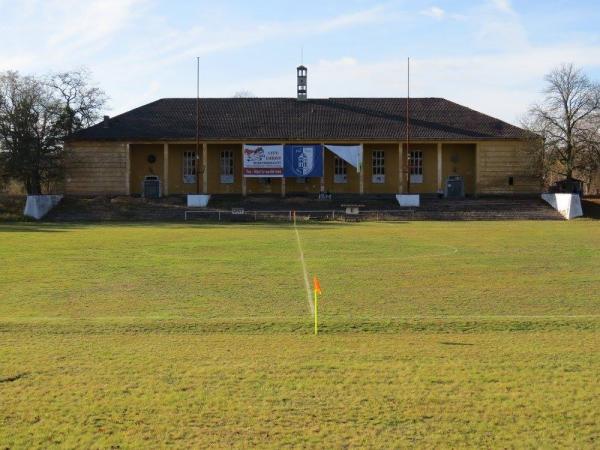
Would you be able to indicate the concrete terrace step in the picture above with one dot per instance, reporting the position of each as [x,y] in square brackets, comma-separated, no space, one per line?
[75,209]
[381,207]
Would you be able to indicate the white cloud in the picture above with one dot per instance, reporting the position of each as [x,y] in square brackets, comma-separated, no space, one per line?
[437,13]
[15,62]
[499,85]
[434,12]
[59,33]
[138,55]
[172,45]
[142,42]
[503,5]
[90,22]
[350,20]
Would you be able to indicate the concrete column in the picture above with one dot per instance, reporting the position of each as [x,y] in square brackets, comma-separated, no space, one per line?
[128,169]
[400,169]
[322,188]
[283,177]
[165,182]
[439,166]
[477,162]
[362,172]
[205,168]
[243,177]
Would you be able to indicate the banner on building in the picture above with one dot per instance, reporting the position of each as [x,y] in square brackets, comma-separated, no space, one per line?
[263,161]
[352,154]
[303,161]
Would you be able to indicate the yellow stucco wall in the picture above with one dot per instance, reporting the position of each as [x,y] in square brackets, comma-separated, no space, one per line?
[497,161]
[214,169]
[106,168]
[353,178]
[390,186]
[140,167]
[313,185]
[96,168]
[176,184]
[429,184]
[459,159]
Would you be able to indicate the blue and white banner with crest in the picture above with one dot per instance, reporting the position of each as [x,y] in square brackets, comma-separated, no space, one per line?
[303,160]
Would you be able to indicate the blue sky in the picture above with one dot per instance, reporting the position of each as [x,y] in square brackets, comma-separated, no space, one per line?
[490,55]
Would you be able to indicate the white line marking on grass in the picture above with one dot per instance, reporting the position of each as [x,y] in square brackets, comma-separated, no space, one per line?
[311,306]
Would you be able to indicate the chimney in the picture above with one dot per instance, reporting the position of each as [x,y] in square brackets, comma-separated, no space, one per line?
[302,76]
[106,121]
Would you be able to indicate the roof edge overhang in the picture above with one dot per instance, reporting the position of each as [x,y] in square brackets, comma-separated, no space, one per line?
[288,139]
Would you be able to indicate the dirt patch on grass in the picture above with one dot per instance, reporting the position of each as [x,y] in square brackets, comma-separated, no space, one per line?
[13,378]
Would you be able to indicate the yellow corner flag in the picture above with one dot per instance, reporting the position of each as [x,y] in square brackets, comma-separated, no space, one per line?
[317,292]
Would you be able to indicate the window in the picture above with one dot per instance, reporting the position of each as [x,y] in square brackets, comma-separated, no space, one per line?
[415,163]
[340,171]
[189,167]
[226,167]
[378,167]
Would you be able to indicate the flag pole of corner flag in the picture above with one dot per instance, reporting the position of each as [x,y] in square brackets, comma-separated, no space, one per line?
[317,292]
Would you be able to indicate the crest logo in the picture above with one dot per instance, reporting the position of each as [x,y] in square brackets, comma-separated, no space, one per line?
[303,161]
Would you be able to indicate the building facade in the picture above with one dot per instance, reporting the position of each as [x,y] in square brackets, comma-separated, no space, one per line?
[159,140]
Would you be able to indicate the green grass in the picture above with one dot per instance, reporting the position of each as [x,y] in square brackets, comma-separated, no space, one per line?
[477,334]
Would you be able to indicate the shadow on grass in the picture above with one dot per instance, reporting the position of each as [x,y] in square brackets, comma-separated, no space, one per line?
[299,325]
[13,378]
[51,227]
[455,343]
[26,227]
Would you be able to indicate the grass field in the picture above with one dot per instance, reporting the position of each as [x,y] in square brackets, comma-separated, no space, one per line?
[474,334]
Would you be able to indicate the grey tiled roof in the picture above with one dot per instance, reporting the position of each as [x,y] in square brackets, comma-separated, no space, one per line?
[253,119]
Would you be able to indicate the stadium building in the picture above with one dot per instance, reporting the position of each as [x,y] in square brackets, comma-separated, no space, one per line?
[335,145]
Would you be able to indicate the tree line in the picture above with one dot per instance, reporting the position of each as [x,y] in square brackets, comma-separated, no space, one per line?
[37,114]
[566,125]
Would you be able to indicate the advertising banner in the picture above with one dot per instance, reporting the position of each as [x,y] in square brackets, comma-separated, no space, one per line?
[303,161]
[352,154]
[263,161]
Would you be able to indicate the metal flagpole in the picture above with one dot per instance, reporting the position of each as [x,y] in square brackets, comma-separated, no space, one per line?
[197,125]
[407,127]
[316,312]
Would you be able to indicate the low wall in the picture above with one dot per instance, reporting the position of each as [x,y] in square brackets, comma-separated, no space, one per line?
[37,206]
[568,205]
[406,200]
[198,200]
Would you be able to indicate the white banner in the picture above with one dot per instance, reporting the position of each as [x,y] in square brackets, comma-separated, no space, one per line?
[352,154]
[263,161]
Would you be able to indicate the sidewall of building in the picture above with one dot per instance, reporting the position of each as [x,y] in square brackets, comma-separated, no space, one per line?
[119,168]
[96,168]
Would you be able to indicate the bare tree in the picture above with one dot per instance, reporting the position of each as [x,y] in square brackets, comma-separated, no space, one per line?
[81,101]
[568,120]
[36,114]
[28,138]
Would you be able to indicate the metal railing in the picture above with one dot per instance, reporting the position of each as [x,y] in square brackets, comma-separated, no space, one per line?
[301,215]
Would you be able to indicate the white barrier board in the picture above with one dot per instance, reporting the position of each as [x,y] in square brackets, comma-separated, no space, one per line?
[198,200]
[37,206]
[408,200]
[568,205]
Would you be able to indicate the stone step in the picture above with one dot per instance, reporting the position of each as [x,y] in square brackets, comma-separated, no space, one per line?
[173,209]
